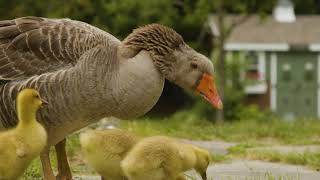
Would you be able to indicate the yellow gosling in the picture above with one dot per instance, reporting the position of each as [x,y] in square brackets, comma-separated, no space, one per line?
[20,145]
[163,158]
[103,150]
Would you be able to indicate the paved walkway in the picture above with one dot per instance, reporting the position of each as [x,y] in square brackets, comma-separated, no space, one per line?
[260,170]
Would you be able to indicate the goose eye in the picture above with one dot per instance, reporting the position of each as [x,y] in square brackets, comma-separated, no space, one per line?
[194,65]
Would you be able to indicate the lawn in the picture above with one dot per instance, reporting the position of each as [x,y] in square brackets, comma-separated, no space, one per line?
[263,132]
[248,133]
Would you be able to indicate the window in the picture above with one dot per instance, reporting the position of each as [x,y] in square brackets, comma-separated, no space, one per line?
[255,72]
[308,72]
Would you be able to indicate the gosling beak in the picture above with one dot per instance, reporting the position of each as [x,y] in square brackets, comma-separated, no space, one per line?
[44,102]
[208,91]
[204,176]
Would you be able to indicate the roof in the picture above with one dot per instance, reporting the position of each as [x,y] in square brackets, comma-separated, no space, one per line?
[266,32]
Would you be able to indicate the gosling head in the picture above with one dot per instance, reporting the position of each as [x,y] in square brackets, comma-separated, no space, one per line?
[178,62]
[30,98]
[203,161]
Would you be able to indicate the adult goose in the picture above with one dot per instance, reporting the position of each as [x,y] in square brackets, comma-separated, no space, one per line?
[88,74]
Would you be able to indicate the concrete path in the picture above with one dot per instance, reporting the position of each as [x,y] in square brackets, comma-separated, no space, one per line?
[259,170]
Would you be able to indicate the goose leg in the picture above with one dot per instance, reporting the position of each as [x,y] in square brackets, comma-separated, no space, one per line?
[46,165]
[64,172]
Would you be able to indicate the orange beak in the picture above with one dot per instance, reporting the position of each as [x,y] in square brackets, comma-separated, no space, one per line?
[208,91]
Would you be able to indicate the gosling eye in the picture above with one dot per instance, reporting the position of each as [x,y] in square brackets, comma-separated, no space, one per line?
[194,65]
[37,96]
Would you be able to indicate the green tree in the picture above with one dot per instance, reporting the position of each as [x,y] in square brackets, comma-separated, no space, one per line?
[221,9]
[307,6]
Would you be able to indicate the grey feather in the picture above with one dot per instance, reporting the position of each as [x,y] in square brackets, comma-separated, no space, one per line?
[34,45]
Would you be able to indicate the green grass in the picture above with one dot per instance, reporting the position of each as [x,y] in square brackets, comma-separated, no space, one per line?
[310,159]
[246,151]
[272,131]
[34,171]
[218,158]
[248,133]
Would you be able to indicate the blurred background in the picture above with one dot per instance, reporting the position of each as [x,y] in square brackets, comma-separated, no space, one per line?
[267,62]
[250,41]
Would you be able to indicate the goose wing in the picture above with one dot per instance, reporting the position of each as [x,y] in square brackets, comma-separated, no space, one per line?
[35,45]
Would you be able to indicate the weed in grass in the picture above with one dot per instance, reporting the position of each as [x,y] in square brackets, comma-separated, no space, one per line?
[217,158]
[73,145]
[33,171]
[240,149]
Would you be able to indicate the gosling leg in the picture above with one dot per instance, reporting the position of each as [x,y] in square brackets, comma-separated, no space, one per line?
[46,165]
[64,172]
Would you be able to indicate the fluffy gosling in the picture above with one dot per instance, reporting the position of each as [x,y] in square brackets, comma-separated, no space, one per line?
[20,145]
[163,158]
[103,150]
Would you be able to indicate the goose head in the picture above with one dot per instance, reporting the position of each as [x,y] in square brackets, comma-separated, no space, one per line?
[177,61]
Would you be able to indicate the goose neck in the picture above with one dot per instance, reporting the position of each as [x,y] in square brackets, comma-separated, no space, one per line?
[139,85]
